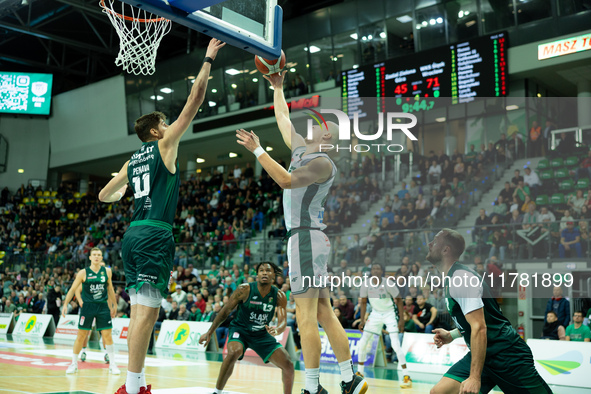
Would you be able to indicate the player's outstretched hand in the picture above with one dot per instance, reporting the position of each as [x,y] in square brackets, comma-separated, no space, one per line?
[214,46]
[470,386]
[205,338]
[248,139]
[442,337]
[271,330]
[276,79]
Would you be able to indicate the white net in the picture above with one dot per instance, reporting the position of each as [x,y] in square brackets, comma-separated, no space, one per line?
[140,33]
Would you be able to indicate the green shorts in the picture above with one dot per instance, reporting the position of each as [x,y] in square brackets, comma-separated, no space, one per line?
[148,254]
[95,310]
[263,344]
[513,370]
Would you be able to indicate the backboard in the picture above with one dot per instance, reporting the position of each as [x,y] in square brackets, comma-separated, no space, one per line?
[252,25]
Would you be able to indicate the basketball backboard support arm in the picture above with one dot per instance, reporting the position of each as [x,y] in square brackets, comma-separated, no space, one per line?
[184,12]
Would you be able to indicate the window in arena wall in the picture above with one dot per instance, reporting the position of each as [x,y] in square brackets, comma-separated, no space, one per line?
[533,10]
[298,66]
[346,50]
[399,35]
[321,63]
[373,43]
[462,20]
[431,27]
[496,15]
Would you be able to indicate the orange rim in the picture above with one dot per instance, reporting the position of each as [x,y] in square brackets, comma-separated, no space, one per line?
[129,18]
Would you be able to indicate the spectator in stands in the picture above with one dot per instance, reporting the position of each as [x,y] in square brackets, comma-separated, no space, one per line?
[387,214]
[499,243]
[577,332]
[560,306]
[552,328]
[570,238]
[567,144]
[470,156]
[403,191]
[424,316]
[584,170]
[448,201]
[491,156]
[565,219]
[410,217]
[174,311]
[443,186]
[522,191]
[480,232]
[584,230]
[396,204]
[180,296]
[414,190]
[459,168]
[532,180]
[435,172]
[546,214]
[183,314]
[535,139]
[531,217]
[576,203]
[500,209]
[422,207]
[516,178]
[347,310]
[507,192]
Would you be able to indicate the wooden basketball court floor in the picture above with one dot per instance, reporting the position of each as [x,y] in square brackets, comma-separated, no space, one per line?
[37,366]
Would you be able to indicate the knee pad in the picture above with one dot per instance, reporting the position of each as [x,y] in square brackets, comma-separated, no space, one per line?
[149,296]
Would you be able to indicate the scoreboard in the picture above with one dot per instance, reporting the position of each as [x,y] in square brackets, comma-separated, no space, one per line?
[459,72]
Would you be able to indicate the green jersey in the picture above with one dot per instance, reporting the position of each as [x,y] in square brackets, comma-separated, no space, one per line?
[578,334]
[156,190]
[257,311]
[94,288]
[462,299]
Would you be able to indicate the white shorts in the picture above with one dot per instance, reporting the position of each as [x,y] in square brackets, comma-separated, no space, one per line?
[376,321]
[307,253]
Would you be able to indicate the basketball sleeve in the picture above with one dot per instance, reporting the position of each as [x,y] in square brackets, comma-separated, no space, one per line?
[467,292]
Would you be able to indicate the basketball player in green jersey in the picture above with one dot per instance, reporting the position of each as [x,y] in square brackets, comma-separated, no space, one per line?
[305,189]
[497,356]
[257,303]
[148,244]
[97,301]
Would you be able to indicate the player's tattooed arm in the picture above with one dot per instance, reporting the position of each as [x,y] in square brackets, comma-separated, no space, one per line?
[239,296]
[281,315]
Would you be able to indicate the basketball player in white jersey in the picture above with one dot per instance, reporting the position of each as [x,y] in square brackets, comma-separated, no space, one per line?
[386,308]
[306,187]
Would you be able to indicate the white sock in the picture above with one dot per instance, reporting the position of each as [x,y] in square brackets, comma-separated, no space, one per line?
[217,391]
[361,368]
[312,380]
[132,384]
[347,370]
[84,349]
[74,358]
[111,354]
[143,378]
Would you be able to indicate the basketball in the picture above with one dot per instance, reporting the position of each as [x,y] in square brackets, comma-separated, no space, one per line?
[269,67]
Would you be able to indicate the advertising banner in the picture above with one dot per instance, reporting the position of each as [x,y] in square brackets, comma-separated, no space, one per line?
[34,325]
[561,362]
[6,322]
[375,349]
[183,335]
[120,326]
[422,354]
[67,327]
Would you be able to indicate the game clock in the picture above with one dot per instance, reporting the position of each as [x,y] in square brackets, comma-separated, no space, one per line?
[460,72]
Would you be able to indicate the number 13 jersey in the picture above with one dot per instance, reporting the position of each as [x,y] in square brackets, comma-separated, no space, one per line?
[156,190]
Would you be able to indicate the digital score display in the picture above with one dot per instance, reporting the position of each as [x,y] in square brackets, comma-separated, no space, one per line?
[460,72]
[25,93]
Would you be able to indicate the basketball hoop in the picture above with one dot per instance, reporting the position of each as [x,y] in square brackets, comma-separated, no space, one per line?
[140,33]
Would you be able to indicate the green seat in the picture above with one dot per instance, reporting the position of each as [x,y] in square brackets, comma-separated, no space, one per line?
[566,185]
[561,173]
[571,161]
[583,183]
[558,198]
[543,164]
[547,174]
[542,200]
[556,162]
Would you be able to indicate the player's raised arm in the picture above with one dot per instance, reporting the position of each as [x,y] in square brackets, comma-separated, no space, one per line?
[115,189]
[240,295]
[281,314]
[177,128]
[80,277]
[317,171]
[478,343]
[290,137]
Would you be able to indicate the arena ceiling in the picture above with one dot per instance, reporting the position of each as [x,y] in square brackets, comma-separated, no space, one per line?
[76,42]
